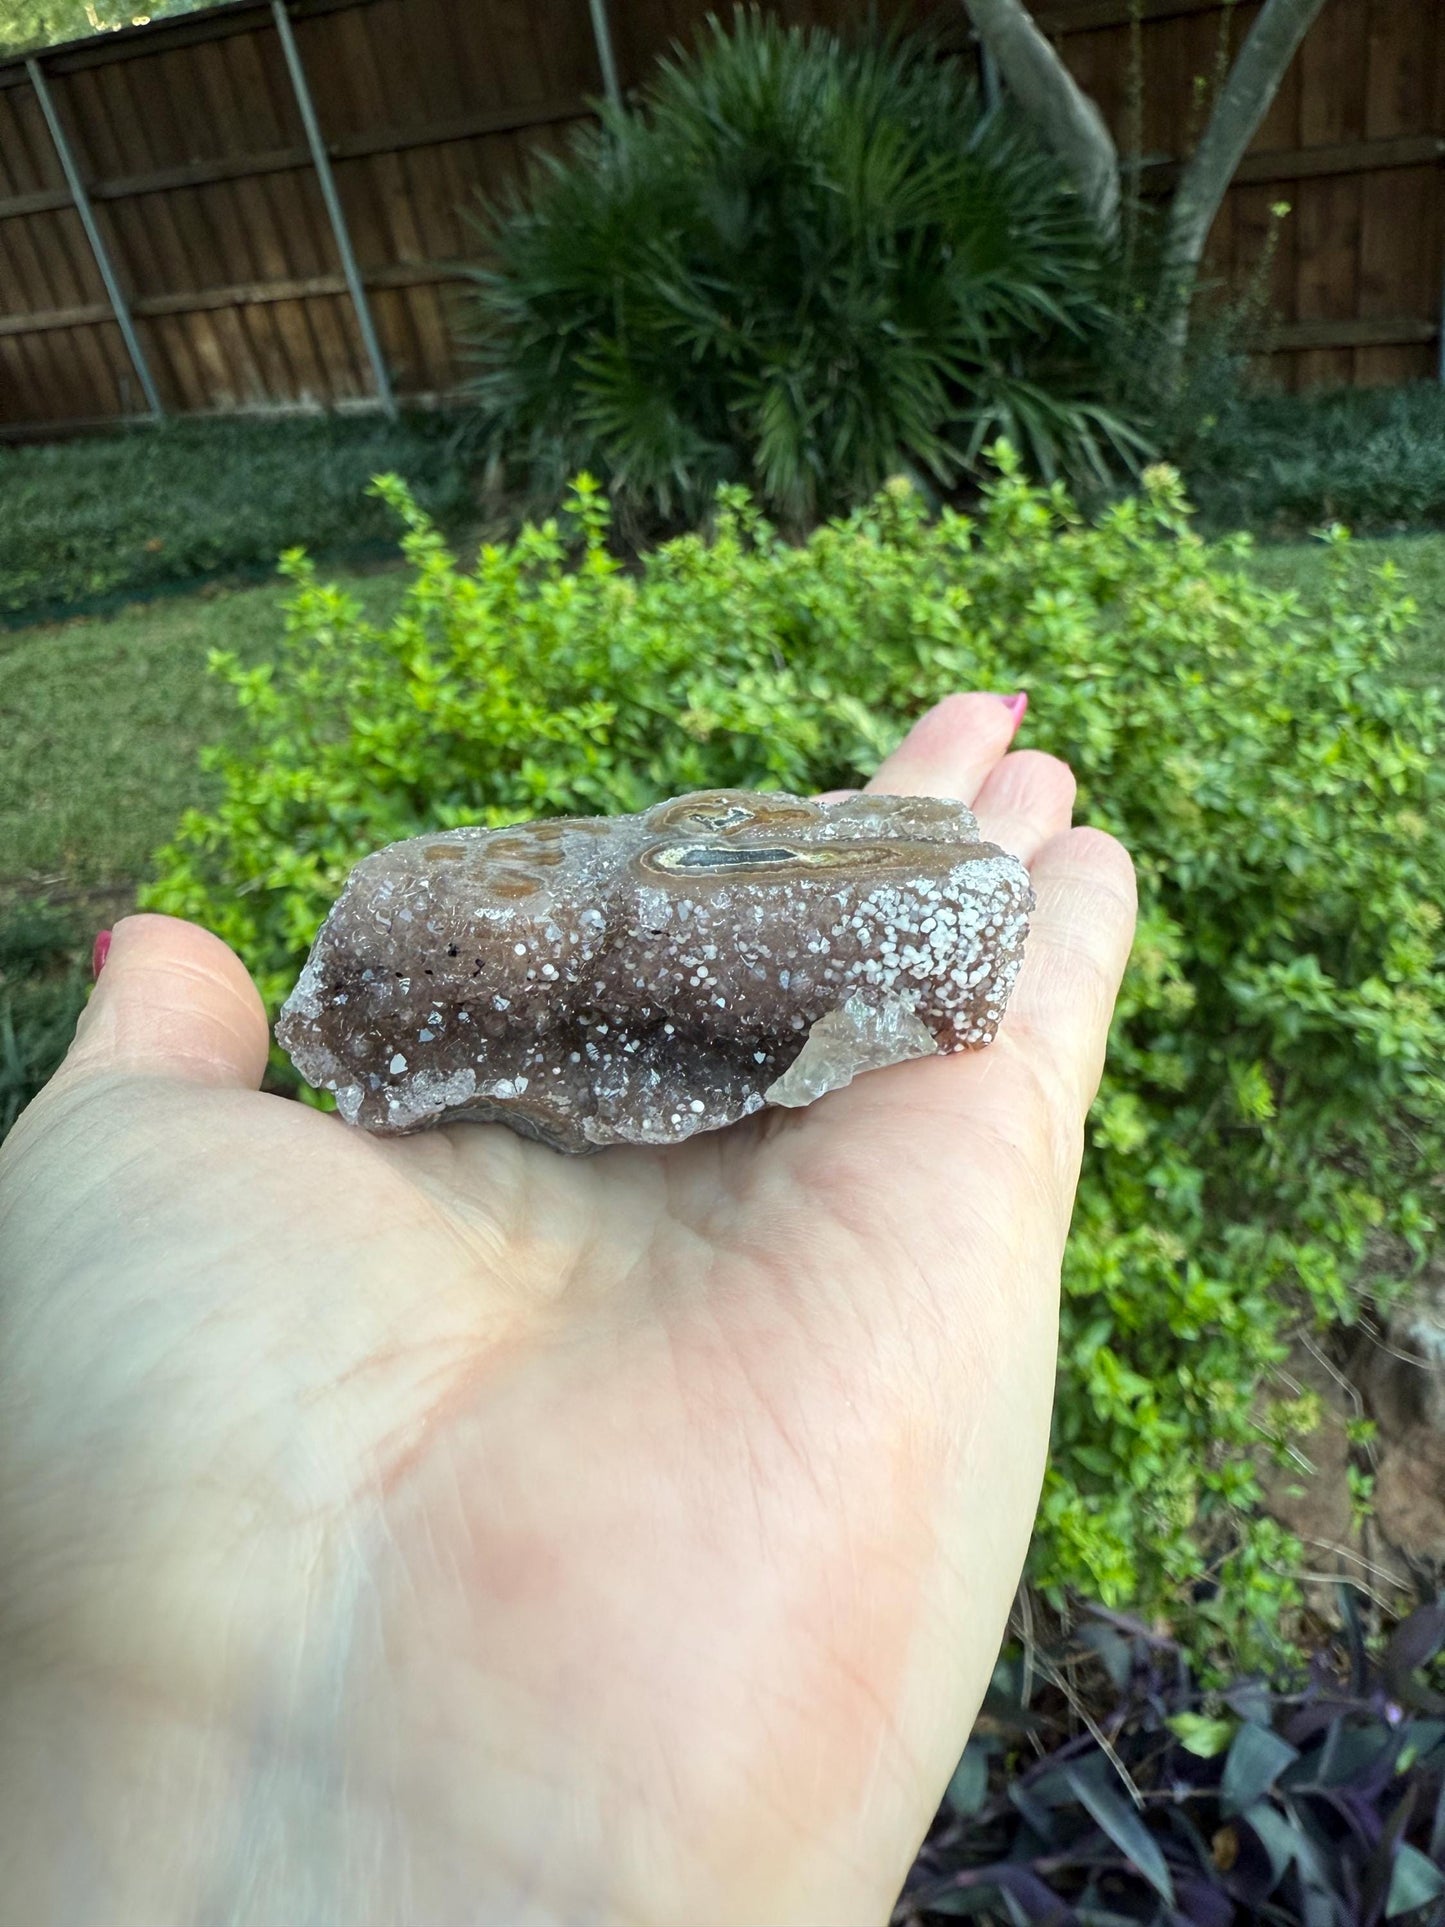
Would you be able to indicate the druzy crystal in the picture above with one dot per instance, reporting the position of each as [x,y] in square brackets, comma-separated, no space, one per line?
[638,979]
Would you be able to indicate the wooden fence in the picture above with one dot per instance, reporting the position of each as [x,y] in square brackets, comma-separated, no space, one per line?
[175,238]
[251,208]
[1354,144]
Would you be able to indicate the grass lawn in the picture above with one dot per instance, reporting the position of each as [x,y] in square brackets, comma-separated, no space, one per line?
[102,718]
[100,721]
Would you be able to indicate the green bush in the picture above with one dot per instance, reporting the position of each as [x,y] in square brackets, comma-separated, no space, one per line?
[804,266]
[1268,1135]
[1287,464]
[105,516]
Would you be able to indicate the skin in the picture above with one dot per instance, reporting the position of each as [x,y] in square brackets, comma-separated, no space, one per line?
[440,1530]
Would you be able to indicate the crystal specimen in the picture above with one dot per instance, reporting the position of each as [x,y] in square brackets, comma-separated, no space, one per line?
[858,1036]
[638,979]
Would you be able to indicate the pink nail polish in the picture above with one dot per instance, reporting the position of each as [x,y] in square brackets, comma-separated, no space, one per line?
[99,954]
[1016,705]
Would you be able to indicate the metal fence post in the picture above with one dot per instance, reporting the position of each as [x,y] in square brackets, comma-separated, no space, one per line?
[321,160]
[606,58]
[119,306]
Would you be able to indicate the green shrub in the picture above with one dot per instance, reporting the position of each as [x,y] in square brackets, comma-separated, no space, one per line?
[131,513]
[804,266]
[1287,464]
[1270,1127]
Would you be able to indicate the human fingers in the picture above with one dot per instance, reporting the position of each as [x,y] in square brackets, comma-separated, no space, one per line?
[1083,924]
[952,748]
[175,1001]
[1079,941]
[1025,800]
[1032,1087]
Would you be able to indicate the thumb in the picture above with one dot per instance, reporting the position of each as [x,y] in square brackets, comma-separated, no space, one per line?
[174,1001]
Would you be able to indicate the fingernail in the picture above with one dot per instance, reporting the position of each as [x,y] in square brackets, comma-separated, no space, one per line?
[1016,705]
[100,953]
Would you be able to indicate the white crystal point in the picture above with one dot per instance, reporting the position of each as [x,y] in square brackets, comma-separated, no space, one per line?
[856,1037]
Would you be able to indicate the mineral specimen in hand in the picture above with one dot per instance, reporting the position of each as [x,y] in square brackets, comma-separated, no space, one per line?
[638,979]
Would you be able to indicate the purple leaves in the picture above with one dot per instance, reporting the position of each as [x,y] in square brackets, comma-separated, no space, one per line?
[1254,1762]
[1181,1808]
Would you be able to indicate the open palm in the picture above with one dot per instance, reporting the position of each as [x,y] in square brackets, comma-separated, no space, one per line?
[440,1530]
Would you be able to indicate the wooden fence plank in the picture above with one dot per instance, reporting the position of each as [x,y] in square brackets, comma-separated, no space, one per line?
[459,129]
[1327,336]
[1367,158]
[1075,16]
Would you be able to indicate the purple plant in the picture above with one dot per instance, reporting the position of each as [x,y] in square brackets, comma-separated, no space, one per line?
[1323,1806]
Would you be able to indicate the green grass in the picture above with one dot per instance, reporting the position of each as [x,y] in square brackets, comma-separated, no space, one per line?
[102,718]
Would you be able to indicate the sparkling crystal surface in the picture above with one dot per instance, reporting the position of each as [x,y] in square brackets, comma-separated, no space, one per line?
[638,979]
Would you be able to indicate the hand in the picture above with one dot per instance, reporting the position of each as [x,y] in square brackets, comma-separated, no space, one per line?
[441,1530]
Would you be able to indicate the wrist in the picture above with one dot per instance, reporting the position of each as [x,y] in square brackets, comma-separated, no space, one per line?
[116,1812]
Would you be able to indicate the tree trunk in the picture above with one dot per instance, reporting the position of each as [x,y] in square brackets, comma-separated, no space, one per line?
[1244,100]
[1054,101]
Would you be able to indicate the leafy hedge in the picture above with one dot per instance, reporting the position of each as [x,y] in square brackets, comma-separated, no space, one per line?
[1269,1133]
[131,513]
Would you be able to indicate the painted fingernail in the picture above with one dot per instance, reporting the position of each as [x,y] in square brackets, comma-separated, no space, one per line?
[100,953]
[1016,705]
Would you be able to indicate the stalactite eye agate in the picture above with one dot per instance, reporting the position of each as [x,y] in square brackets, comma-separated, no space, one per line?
[638,979]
